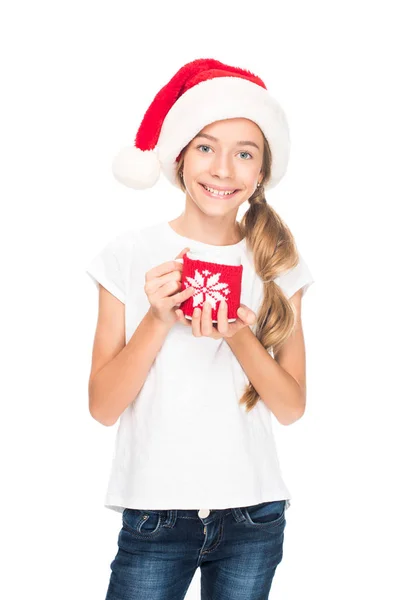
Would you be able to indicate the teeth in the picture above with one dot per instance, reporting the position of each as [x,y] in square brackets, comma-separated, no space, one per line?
[218,192]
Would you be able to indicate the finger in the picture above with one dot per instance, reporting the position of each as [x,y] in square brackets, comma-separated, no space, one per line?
[196,329]
[166,285]
[155,284]
[180,297]
[163,269]
[222,317]
[181,317]
[206,322]
[166,267]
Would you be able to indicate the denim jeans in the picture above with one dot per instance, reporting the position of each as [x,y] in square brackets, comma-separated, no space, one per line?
[159,551]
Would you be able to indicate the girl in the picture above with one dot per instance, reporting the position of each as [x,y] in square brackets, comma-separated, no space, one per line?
[195,471]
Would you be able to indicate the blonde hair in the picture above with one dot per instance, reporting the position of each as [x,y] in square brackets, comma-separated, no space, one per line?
[274,252]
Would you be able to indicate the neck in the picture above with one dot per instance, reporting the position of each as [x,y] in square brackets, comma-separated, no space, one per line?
[213,231]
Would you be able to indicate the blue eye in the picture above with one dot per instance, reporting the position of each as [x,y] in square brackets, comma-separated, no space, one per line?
[205,146]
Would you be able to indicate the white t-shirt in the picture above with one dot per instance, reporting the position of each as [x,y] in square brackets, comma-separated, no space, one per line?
[185,442]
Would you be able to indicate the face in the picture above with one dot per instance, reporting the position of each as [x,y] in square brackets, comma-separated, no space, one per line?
[226,156]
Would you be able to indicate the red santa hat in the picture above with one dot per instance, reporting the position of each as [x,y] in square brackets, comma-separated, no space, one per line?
[201,92]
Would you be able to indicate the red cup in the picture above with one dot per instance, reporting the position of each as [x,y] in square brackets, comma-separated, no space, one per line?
[212,280]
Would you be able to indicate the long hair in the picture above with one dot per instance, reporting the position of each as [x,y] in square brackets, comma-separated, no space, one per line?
[274,252]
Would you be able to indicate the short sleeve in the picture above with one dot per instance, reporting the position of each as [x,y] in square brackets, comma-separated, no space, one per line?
[110,266]
[296,278]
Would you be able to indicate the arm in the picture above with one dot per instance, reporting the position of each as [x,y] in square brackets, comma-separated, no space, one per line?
[118,370]
[280,381]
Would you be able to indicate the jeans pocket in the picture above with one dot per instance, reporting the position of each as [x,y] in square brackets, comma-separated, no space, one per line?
[266,515]
[142,522]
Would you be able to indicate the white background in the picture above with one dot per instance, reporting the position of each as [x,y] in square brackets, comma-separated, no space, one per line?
[77,78]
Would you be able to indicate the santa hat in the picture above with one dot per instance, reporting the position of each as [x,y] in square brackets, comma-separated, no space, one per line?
[201,92]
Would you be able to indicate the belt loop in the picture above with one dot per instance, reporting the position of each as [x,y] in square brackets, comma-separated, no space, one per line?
[238,515]
[171,518]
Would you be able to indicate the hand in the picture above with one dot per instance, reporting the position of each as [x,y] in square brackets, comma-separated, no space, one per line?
[163,288]
[202,324]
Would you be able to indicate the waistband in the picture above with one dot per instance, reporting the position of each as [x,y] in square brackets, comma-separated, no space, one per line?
[205,514]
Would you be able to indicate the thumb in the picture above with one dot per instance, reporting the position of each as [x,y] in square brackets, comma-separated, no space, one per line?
[251,318]
[246,315]
[182,252]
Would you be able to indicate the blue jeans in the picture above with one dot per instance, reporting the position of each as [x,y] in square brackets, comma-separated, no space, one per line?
[237,550]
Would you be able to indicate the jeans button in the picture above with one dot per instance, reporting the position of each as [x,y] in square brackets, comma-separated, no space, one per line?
[204,512]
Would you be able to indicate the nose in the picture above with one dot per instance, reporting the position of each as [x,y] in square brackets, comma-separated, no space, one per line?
[222,166]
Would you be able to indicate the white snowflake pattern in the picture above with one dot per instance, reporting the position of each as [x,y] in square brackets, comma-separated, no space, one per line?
[209,291]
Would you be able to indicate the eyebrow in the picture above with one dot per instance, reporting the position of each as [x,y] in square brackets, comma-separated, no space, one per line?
[214,139]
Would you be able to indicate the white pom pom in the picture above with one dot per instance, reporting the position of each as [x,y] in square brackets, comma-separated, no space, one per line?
[135,168]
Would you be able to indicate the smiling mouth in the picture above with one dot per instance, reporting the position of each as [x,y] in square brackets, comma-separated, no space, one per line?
[217,193]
